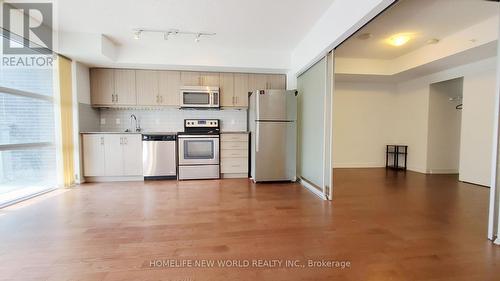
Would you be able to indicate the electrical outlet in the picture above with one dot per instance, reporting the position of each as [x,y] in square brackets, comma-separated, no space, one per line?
[117,121]
[103,121]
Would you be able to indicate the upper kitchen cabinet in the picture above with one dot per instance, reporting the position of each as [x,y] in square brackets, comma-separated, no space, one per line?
[257,82]
[190,78]
[148,87]
[241,89]
[170,85]
[227,89]
[125,92]
[102,86]
[112,87]
[210,79]
[266,81]
[276,81]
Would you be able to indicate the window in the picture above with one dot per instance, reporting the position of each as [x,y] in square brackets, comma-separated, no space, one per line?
[27,131]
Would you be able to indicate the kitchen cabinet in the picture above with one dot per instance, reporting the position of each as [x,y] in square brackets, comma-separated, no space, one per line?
[266,81]
[170,86]
[276,81]
[125,91]
[227,89]
[147,86]
[112,155]
[241,89]
[112,87]
[210,79]
[93,155]
[190,78]
[257,82]
[234,155]
[102,86]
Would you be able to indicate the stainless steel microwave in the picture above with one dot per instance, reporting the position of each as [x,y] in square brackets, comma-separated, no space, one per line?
[199,97]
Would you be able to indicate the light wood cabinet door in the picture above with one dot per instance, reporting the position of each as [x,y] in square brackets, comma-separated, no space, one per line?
[93,155]
[241,89]
[113,155]
[147,87]
[125,92]
[257,82]
[190,78]
[132,155]
[102,86]
[227,89]
[210,79]
[170,87]
[276,81]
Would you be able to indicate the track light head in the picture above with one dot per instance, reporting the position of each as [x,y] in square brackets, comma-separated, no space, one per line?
[197,38]
[137,34]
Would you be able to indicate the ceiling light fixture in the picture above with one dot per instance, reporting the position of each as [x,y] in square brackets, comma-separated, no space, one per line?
[137,34]
[167,34]
[365,36]
[399,39]
[432,41]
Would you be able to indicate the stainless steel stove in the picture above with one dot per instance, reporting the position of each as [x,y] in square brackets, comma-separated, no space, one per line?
[199,147]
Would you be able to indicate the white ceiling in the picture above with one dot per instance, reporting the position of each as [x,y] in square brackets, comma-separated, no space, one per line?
[256,25]
[426,19]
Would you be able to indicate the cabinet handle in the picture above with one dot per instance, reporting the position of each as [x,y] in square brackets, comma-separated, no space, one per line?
[157,99]
[126,140]
[161,99]
[102,140]
[237,98]
[116,98]
[113,98]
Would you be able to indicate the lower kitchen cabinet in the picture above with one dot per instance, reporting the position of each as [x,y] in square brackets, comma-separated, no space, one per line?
[112,155]
[234,155]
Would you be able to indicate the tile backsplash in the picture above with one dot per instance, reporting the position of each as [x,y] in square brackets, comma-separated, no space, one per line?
[169,119]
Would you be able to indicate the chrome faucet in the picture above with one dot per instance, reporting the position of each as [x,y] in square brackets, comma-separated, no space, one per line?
[137,123]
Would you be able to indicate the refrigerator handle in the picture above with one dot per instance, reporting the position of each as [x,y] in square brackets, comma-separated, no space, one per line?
[257,136]
[257,102]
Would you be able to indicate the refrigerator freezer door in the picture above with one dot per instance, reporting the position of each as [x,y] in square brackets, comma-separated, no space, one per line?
[274,153]
[276,105]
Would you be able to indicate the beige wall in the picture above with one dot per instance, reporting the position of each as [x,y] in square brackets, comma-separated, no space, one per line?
[362,110]
[443,140]
[477,126]
[363,123]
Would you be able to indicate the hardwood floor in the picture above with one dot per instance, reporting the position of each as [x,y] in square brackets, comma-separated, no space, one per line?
[388,225]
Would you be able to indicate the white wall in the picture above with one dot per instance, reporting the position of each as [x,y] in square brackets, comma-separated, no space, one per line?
[338,22]
[477,126]
[409,116]
[362,123]
[443,140]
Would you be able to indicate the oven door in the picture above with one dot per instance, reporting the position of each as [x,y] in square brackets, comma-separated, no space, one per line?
[198,150]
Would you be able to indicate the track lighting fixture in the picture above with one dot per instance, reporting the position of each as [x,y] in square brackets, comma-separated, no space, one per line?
[167,34]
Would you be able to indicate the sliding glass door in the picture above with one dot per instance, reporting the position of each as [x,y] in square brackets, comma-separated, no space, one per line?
[27,128]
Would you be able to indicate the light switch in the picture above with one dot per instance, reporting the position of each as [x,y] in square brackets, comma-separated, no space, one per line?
[103,121]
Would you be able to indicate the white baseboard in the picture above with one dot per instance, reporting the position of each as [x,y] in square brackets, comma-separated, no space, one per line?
[442,171]
[113,179]
[358,165]
[312,188]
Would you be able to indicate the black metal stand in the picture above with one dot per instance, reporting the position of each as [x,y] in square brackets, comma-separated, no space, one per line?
[393,156]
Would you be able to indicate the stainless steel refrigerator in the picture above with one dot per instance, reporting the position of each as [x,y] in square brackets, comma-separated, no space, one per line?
[272,121]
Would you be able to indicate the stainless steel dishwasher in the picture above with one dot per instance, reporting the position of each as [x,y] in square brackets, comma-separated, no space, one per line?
[159,156]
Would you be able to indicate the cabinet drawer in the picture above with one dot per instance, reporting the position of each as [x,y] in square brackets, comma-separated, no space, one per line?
[234,165]
[234,153]
[234,137]
[234,145]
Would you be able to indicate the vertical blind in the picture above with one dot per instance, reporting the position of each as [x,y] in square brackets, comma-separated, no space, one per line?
[27,132]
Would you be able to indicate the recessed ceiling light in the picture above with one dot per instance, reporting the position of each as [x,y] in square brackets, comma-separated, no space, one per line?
[432,41]
[399,39]
[365,36]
